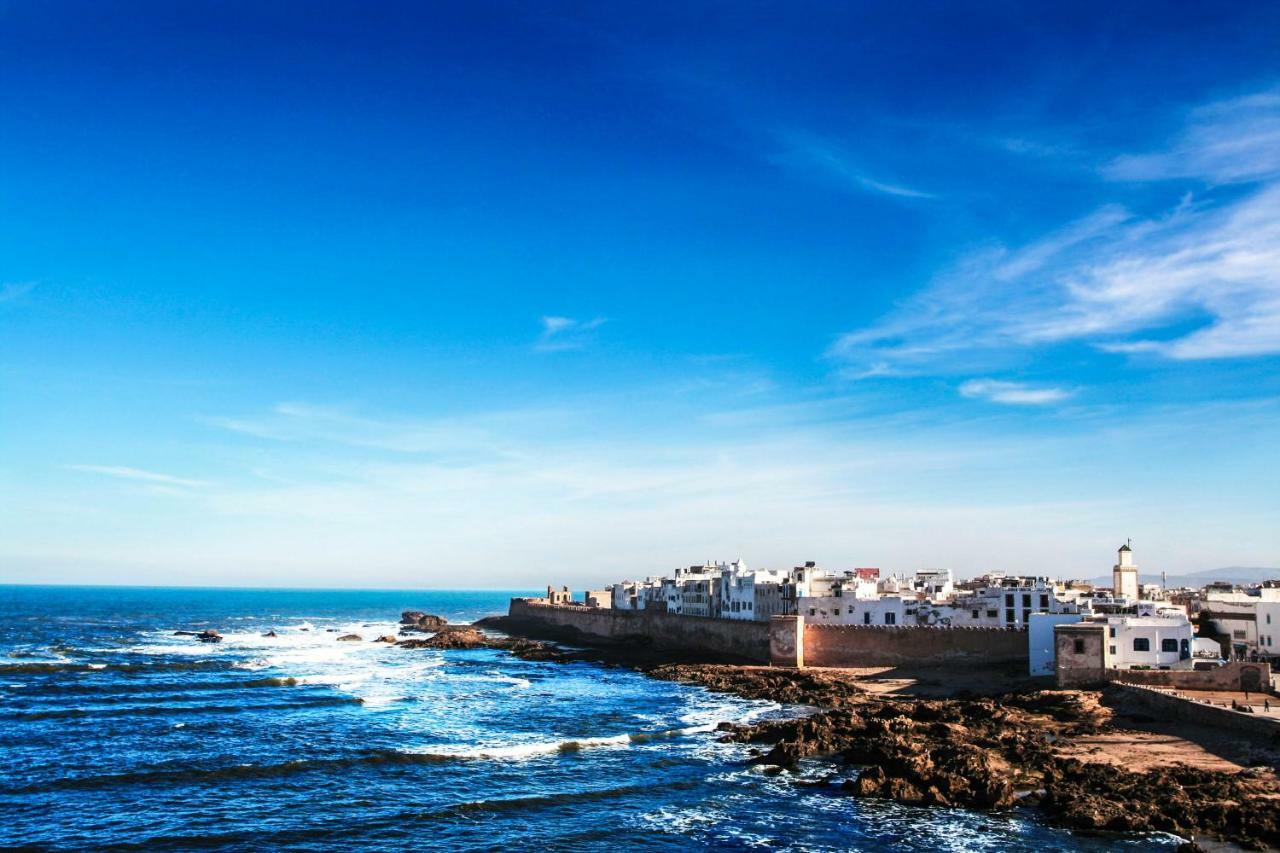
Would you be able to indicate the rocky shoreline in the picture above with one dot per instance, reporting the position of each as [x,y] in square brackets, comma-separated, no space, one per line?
[1010,749]
[977,752]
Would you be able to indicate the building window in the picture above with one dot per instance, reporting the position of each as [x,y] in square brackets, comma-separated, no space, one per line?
[993,614]
[1168,645]
[1008,616]
[1008,599]
[891,618]
[1112,629]
[1113,650]
[1141,644]
[866,618]
[1026,602]
[975,614]
[811,611]
[1044,602]
[1079,647]
[850,608]
[1237,635]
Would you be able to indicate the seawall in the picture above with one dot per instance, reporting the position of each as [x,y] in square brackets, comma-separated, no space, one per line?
[916,646]
[784,641]
[690,637]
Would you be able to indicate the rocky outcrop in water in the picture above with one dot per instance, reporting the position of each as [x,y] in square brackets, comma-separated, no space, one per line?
[351,638]
[982,752]
[415,622]
[386,638]
[209,636]
[451,637]
[969,751]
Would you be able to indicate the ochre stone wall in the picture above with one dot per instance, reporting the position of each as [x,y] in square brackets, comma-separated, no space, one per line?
[1258,726]
[852,645]
[821,645]
[694,636]
[1237,675]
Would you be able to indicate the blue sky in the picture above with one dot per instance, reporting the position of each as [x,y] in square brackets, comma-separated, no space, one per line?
[492,294]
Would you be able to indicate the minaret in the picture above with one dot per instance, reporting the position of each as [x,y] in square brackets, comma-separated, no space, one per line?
[1124,575]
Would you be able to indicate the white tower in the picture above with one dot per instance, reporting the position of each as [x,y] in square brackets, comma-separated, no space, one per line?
[1124,575]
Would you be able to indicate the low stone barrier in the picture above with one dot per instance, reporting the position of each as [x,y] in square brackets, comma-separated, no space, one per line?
[1237,675]
[1165,705]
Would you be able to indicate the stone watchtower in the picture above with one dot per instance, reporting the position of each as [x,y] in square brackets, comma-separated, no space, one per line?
[1124,574]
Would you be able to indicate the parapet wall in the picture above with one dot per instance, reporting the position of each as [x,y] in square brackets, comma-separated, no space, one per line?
[688,636]
[1258,726]
[1237,675]
[857,645]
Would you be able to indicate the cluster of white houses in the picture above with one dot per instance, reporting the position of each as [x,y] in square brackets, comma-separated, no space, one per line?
[1144,626]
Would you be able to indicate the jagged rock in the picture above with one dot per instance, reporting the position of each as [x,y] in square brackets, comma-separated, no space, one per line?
[271,633]
[415,621]
[350,638]
[970,752]
[186,633]
[386,638]
[459,637]
[209,636]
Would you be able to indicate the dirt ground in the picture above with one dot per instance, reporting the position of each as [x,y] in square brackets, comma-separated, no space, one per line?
[1133,740]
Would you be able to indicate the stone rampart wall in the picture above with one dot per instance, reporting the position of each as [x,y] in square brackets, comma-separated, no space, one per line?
[853,645]
[689,636]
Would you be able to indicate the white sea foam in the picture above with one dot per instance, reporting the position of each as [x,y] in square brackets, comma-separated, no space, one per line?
[522,751]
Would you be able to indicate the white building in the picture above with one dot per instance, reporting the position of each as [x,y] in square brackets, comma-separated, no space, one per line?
[751,594]
[934,584]
[1040,640]
[1147,635]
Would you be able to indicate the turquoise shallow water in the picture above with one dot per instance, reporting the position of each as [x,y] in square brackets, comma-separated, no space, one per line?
[118,734]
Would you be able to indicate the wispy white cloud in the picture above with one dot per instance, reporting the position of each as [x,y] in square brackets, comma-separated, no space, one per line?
[1198,281]
[123,472]
[566,333]
[829,160]
[15,290]
[1226,142]
[1012,393]
[439,436]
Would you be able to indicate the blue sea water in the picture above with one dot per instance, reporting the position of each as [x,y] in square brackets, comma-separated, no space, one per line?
[118,734]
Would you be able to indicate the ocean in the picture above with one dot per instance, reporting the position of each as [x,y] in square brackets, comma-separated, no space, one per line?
[118,734]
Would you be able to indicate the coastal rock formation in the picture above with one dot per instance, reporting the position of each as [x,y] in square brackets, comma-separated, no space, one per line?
[979,753]
[451,637]
[386,638]
[967,751]
[415,621]
[350,638]
[1179,799]
[270,633]
[209,636]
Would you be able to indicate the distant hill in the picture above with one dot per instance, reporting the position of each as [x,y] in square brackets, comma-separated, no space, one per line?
[1231,574]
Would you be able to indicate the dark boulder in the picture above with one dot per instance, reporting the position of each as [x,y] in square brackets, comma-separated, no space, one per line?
[209,636]
[415,621]
[351,638]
